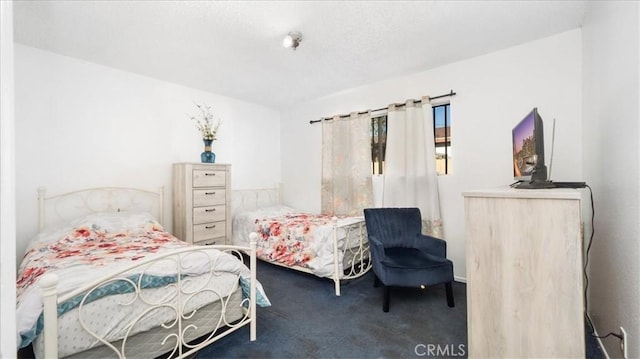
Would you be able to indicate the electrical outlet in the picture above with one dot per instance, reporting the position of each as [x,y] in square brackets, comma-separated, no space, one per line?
[623,343]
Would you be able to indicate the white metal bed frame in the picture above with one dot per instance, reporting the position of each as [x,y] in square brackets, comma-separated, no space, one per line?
[356,246]
[127,199]
[69,205]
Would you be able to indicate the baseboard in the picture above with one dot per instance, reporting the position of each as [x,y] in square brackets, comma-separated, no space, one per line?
[460,279]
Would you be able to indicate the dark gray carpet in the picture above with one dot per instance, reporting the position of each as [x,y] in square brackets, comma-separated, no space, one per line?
[307,320]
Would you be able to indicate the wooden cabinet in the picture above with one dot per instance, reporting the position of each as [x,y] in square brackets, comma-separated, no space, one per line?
[524,273]
[202,203]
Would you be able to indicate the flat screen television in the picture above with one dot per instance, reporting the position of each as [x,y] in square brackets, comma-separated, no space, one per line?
[529,169]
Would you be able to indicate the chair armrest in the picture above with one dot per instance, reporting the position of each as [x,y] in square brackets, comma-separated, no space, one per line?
[376,248]
[431,245]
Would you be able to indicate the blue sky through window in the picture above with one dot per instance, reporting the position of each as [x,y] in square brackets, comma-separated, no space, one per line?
[440,115]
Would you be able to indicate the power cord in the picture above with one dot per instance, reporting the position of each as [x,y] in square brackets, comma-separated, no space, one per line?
[586,275]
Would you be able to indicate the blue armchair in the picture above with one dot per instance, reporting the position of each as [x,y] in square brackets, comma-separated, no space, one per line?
[402,256]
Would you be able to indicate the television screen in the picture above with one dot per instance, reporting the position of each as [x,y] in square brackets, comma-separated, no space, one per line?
[524,148]
[528,149]
[529,169]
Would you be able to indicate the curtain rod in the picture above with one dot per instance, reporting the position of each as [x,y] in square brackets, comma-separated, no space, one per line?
[451,93]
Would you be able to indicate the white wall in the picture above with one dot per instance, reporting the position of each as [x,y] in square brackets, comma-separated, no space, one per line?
[494,92]
[7,186]
[79,124]
[611,53]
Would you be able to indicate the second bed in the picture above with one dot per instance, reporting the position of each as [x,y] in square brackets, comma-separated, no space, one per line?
[323,245]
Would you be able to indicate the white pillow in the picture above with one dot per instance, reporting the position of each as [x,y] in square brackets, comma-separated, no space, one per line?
[116,221]
[110,222]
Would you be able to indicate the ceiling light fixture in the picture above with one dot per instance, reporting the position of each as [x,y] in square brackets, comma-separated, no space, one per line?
[292,40]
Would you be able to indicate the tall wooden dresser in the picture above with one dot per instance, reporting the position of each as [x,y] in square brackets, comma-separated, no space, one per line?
[524,273]
[202,203]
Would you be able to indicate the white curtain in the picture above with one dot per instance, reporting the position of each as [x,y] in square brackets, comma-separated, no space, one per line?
[410,176]
[346,165]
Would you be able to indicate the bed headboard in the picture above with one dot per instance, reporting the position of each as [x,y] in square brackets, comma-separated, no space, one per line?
[70,205]
[248,199]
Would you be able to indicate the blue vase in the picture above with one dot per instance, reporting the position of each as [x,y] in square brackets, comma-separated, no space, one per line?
[207,156]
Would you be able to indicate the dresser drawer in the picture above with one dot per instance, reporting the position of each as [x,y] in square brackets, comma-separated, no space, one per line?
[202,232]
[210,242]
[208,214]
[204,178]
[209,197]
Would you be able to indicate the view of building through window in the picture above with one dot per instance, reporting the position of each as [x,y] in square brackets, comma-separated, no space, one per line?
[442,133]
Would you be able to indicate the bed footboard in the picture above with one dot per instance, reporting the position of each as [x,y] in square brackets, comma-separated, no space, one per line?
[354,252]
[182,296]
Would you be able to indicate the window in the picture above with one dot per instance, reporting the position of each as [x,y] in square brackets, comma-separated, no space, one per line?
[442,134]
[378,143]
[441,130]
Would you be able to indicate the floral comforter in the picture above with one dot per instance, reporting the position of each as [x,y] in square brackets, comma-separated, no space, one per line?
[86,246]
[300,239]
[90,248]
[290,239]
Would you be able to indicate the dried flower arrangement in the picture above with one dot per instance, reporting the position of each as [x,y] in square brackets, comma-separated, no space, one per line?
[205,124]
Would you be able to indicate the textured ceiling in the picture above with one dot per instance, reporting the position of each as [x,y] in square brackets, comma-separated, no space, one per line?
[233,48]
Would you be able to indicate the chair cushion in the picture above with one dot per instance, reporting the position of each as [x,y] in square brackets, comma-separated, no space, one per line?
[411,258]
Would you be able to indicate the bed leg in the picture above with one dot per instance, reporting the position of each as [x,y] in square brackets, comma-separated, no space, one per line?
[336,265]
[252,263]
[48,284]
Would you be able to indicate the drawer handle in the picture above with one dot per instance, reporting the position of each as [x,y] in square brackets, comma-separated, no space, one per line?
[209,227]
[209,174]
[210,210]
[208,193]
